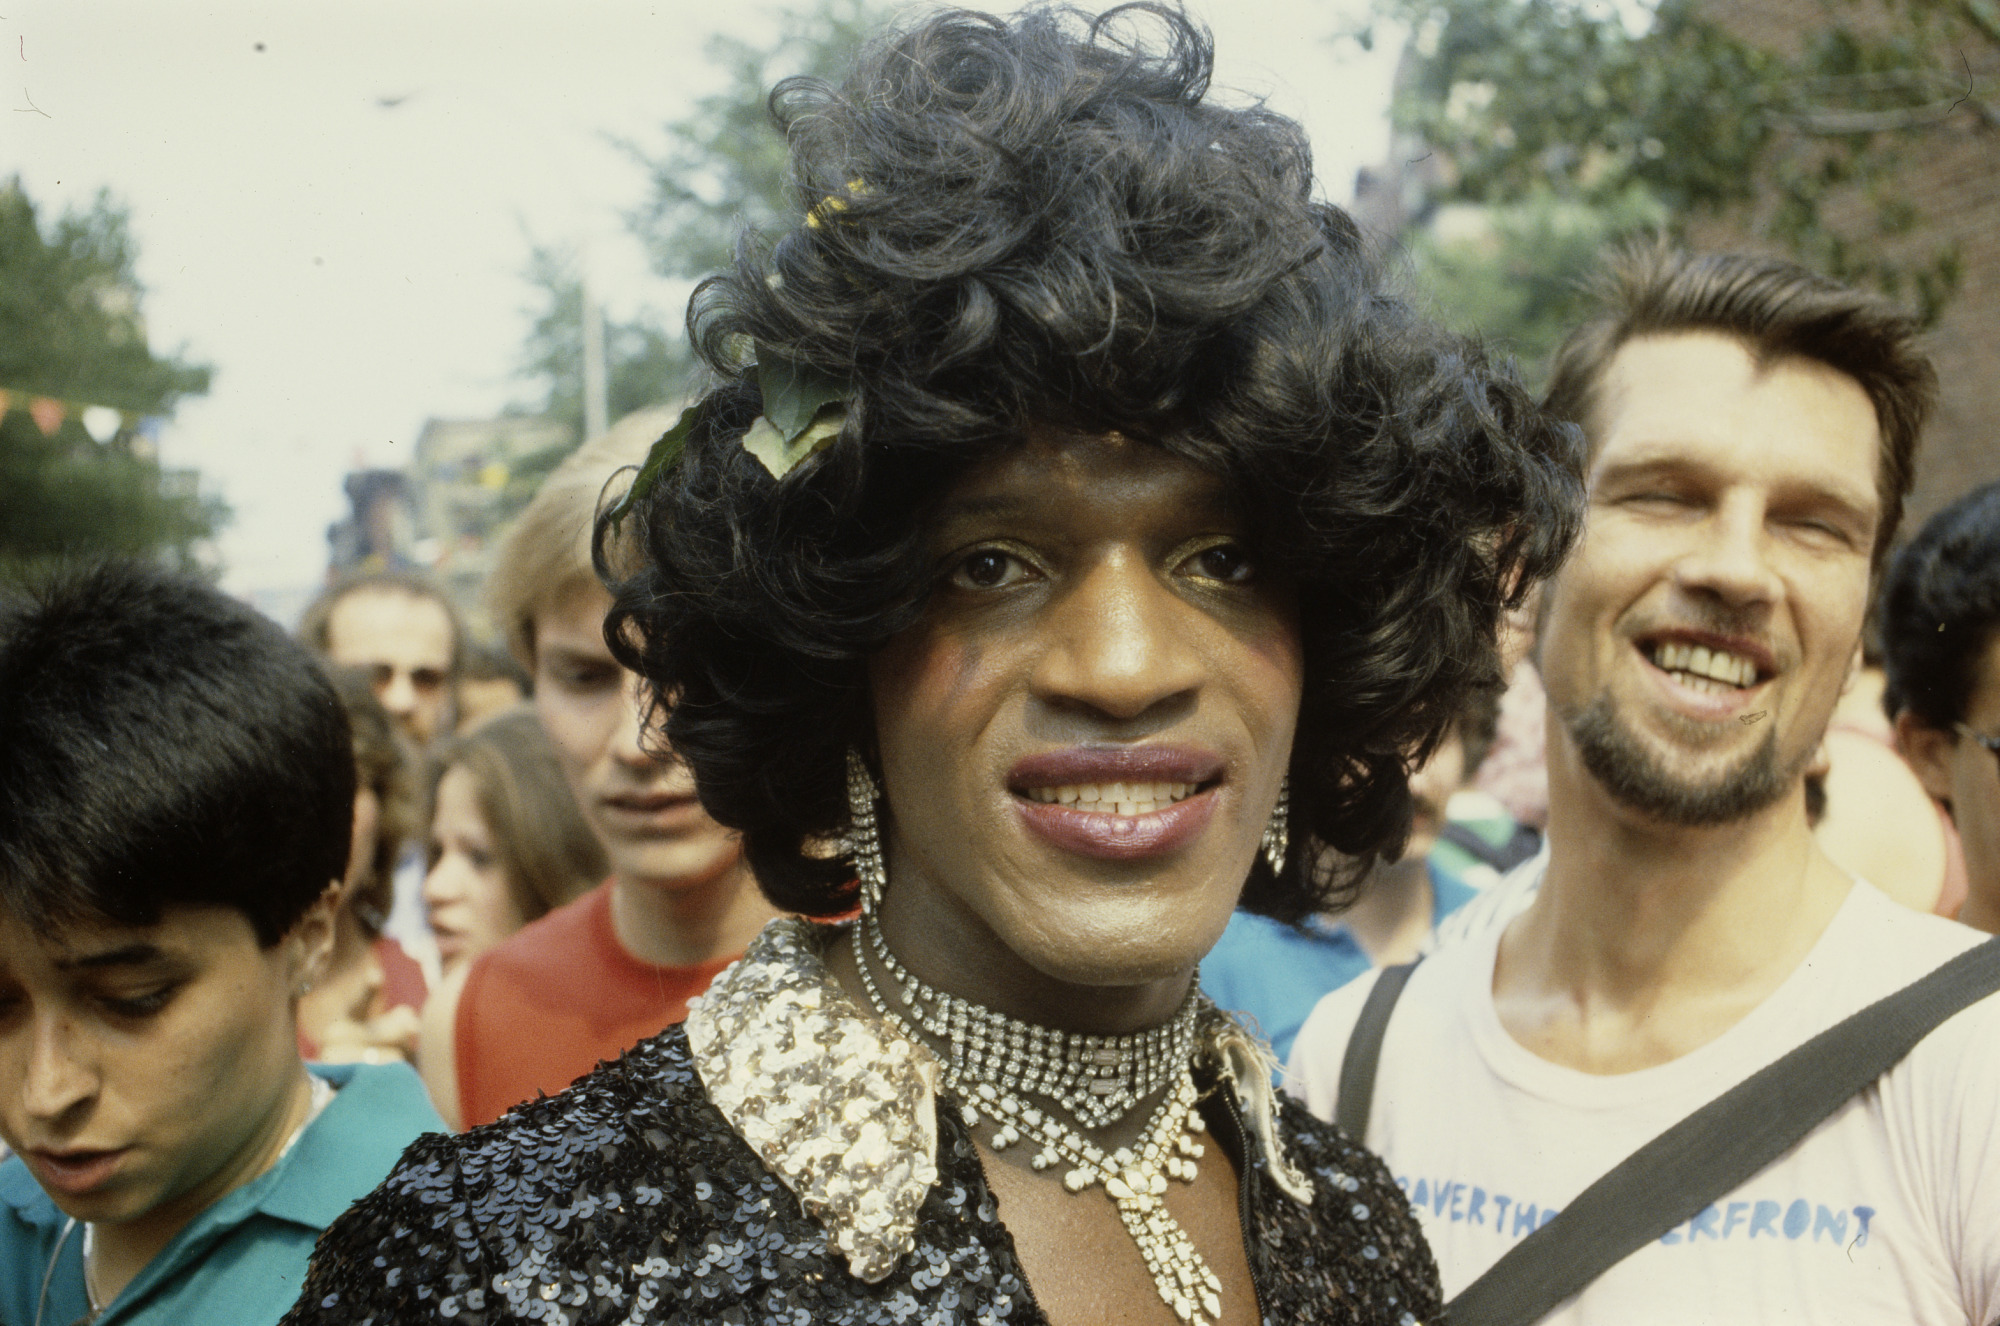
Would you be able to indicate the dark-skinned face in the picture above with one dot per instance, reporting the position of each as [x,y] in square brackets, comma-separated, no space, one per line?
[1083,738]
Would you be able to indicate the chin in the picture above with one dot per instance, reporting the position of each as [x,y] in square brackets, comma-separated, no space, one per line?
[1126,941]
[677,864]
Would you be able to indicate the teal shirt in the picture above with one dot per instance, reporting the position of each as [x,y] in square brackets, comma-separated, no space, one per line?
[242,1260]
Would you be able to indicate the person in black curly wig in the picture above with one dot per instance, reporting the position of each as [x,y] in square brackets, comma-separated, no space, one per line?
[1078,530]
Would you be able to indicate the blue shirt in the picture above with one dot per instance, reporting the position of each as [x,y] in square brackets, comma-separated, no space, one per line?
[241,1261]
[1273,974]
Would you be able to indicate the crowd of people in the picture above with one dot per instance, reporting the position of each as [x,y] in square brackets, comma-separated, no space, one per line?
[1105,771]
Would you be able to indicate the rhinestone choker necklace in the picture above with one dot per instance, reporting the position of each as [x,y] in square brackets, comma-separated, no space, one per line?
[1097,1080]
[992,1058]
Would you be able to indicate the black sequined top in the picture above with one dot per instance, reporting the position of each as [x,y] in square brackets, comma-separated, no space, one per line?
[629,1199]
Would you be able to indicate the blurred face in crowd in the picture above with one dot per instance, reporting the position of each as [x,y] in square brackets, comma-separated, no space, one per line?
[146,1071]
[1083,737]
[405,642]
[1959,771]
[1432,784]
[1695,644]
[470,903]
[643,809]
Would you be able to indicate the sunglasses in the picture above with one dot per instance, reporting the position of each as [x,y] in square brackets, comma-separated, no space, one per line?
[1992,744]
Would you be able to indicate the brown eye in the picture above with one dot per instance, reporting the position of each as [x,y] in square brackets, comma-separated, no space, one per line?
[989,568]
[1226,562]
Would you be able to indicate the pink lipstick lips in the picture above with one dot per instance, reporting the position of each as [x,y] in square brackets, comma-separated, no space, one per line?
[1118,803]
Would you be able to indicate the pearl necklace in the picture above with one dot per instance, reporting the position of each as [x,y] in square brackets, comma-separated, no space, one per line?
[1134,1177]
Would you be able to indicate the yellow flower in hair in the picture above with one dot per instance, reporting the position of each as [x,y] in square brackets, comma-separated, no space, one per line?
[835,202]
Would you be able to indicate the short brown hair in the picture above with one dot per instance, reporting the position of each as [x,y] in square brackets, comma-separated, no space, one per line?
[381,765]
[539,838]
[545,554]
[1776,308]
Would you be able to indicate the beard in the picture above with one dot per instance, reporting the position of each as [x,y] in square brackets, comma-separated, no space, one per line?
[1637,777]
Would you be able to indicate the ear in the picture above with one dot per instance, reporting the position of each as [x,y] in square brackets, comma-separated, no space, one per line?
[309,943]
[1928,752]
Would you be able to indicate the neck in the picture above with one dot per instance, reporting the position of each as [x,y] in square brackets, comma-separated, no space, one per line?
[123,1248]
[1393,912]
[1647,940]
[684,925]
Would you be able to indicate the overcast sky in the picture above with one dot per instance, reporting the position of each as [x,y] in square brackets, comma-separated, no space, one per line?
[334,202]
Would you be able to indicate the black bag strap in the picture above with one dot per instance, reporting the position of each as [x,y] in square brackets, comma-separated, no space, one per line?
[1719,1147]
[1364,1051]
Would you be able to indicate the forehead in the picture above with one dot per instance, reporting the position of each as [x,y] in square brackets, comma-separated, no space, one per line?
[573,618]
[384,623]
[86,945]
[1054,479]
[1702,398]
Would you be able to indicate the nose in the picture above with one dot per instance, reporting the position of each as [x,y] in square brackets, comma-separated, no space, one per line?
[58,1082]
[1122,643]
[628,736]
[398,694]
[1728,558]
[443,884]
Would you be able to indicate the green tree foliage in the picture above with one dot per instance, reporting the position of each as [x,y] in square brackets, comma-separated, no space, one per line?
[644,363]
[1591,106]
[724,167]
[70,329]
[721,168]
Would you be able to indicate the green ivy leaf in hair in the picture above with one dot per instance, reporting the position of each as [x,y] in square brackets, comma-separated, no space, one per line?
[659,459]
[803,412]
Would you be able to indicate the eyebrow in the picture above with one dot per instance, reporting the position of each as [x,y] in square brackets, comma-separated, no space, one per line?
[131,955]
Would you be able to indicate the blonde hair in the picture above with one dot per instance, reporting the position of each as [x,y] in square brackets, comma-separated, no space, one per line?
[545,555]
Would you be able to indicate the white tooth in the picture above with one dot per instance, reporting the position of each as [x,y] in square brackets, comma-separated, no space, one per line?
[1066,795]
[1699,660]
[1144,807]
[1087,792]
[1126,808]
[1161,792]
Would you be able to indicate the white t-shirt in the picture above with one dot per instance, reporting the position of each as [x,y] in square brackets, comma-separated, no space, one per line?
[1889,1211]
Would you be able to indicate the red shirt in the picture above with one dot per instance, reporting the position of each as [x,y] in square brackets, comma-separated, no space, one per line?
[545,1006]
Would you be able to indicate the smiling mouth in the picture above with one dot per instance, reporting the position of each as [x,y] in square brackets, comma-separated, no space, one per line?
[1113,798]
[1702,668]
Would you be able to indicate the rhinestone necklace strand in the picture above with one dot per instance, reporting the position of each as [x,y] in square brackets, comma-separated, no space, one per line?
[1134,1177]
[1097,1080]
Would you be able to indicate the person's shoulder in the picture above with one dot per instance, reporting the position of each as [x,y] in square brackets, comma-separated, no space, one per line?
[1899,942]
[1357,1204]
[557,1184]
[1312,1073]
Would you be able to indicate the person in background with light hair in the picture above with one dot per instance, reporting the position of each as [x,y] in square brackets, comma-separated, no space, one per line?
[507,843]
[400,628]
[594,977]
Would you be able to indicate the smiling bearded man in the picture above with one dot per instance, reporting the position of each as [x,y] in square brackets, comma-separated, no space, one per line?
[1751,430]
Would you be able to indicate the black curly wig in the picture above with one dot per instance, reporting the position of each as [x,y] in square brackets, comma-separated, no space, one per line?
[1040,221]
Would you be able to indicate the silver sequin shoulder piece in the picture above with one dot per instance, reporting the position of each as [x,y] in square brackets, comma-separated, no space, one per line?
[835,1102]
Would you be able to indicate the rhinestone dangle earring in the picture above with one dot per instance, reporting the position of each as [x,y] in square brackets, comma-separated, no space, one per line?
[1278,833]
[864,839]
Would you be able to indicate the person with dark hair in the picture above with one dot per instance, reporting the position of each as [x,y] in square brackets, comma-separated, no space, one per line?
[1642,1076]
[1940,634]
[1080,537]
[1272,974]
[176,786]
[508,843]
[401,629]
[366,1004]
